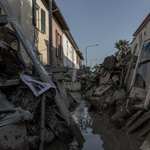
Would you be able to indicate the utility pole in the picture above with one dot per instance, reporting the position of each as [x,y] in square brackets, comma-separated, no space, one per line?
[50,35]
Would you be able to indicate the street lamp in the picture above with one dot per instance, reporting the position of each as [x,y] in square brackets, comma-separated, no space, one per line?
[86,51]
[91,61]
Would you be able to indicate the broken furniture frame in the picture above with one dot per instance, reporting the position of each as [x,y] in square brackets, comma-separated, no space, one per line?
[41,70]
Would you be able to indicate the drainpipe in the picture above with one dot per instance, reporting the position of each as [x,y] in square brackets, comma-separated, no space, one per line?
[50,34]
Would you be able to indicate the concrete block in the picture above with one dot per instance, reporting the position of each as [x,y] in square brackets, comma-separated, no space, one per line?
[73,86]
[137,93]
[59,76]
[14,137]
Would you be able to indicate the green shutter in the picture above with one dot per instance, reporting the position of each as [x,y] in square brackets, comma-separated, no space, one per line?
[34,12]
[57,52]
[61,47]
[43,20]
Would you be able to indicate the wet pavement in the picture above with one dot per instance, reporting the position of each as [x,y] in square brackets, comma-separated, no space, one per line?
[99,133]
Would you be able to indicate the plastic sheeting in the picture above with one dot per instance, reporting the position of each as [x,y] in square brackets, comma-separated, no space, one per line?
[37,87]
[144,67]
[5,105]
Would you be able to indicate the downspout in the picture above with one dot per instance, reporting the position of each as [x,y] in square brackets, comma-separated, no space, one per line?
[50,35]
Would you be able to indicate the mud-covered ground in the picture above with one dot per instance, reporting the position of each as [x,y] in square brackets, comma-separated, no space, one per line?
[99,133]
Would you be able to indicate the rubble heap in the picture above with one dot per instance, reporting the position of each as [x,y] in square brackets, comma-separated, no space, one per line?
[122,91]
[21,98]
[33,112]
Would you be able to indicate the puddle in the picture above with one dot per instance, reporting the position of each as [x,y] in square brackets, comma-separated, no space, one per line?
[84,122]
[99,133]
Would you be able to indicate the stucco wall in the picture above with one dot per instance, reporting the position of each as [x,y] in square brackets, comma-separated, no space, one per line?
[24,13]
[144,38]
[69,53]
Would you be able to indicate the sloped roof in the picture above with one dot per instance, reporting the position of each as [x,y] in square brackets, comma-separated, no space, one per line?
[58,15]
[143,24]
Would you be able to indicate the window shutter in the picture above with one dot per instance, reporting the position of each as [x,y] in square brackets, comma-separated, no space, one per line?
[140,40]
[61,47]
[57,53]
[42,20]
[34,12]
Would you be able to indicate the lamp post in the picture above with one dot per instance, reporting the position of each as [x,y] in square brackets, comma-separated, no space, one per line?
[86,51]
[91,61]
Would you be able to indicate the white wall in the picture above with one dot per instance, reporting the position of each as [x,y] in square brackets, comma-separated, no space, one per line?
[23,11]
[69,53]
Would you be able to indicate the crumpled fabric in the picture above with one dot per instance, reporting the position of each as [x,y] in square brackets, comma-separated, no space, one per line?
[15,117]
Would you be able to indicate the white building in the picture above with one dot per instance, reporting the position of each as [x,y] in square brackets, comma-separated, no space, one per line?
[72,56]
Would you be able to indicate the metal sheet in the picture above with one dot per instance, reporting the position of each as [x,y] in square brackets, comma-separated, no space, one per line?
[5,105]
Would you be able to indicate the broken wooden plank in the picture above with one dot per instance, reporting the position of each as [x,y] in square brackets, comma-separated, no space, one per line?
[139,122]
[130,65]
[4,83]
[63,92]
[42,128]
[133,118]
[59,130]
[146,144]
[70,121]
[145,129]
[41,70]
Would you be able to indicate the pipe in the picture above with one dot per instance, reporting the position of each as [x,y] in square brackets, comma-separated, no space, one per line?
[50,35]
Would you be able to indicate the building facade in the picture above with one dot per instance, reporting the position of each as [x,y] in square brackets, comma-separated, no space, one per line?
[141,35]
[33,15]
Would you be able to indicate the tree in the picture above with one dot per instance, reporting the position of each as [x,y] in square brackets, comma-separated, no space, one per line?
[123,47]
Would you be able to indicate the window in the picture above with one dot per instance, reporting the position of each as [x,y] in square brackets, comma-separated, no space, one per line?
[61,52]
[57,50]
[43,21]
[140,40]
[145,33]
[37,17]
[72,54]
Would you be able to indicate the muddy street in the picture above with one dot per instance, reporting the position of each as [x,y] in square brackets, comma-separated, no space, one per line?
[99,133]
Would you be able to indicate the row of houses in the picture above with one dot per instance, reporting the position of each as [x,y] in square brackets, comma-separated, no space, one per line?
[33,15]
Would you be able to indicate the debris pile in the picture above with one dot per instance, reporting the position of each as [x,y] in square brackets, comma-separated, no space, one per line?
[32,111]
[85,77]
[122,90]
[21,98]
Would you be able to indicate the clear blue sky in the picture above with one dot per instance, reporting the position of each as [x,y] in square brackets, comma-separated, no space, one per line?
[102,22]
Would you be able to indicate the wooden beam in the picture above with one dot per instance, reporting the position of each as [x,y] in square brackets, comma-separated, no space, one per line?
[4,83]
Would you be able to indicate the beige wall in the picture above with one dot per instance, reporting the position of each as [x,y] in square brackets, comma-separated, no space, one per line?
[144,38]
[23,12]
